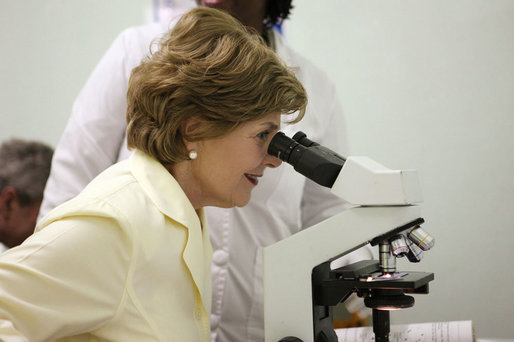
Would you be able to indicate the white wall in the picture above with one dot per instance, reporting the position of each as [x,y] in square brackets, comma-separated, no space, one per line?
[48,49]
[429,84]
[426,84]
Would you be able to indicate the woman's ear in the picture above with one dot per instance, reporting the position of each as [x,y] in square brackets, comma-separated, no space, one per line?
[190,128]
[7,200]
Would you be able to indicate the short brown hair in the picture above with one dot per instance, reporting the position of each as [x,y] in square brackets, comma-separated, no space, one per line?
[211,68]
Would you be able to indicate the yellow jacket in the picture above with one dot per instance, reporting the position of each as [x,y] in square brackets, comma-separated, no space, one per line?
[126,260]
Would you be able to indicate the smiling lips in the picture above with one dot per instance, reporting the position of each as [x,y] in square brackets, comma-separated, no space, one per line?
[252,178]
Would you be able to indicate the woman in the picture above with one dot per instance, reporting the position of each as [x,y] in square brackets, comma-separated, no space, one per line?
[129,258]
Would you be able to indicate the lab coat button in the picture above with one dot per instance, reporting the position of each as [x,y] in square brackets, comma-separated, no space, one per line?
[215,321]
[220,258]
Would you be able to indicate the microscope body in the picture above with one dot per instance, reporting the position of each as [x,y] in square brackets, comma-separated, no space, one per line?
[299,286]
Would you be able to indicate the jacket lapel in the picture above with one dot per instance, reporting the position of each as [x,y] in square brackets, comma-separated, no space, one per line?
[171,200]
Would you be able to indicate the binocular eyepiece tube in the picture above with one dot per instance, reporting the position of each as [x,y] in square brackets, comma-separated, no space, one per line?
[312,160]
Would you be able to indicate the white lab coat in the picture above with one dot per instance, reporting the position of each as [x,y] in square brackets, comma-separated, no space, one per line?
[283,203]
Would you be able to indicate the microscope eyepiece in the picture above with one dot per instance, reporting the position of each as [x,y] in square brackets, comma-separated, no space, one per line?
[302,139]
[312,160]
[281,146]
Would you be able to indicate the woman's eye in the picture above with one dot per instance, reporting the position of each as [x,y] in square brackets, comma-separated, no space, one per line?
[263,135]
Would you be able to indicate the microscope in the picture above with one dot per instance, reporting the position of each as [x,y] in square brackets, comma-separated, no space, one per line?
[300,287]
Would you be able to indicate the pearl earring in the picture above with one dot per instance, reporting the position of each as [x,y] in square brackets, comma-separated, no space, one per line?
[193,154]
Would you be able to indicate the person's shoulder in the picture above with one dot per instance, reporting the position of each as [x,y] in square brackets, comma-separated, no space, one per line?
[143,33]
[98,198]
[135,42]
[304,68]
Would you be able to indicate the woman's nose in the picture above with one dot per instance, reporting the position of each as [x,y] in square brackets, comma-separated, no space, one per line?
[271,161]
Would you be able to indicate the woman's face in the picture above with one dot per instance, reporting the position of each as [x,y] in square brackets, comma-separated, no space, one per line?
[228,168]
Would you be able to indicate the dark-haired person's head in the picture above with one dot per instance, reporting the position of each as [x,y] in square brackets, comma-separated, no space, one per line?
[24,169]
[258,14]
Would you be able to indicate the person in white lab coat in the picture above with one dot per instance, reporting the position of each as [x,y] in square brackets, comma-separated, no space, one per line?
[129,258]
[285,202]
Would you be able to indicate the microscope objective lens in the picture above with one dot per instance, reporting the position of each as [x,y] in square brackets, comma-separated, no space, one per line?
[421,238]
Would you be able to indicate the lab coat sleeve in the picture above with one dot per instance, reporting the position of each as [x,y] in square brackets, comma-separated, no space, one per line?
[67,279]
[95,131]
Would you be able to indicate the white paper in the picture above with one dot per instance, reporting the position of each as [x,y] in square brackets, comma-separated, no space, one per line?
[456,331]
